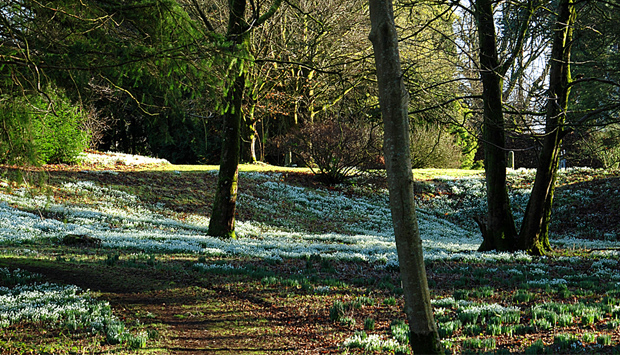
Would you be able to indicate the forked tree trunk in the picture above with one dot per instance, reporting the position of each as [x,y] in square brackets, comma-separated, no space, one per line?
[534,236]
[498,230]
[393,100]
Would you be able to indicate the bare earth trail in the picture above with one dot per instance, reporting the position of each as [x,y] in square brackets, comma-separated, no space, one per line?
[201,314]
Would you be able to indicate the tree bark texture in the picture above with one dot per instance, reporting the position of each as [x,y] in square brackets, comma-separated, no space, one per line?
[222,222]
[393,99]
[498,230]
[534,235]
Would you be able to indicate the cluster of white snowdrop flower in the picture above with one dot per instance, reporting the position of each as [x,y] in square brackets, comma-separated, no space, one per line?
[52,305]
[208,267]
[363,230]
[111,158]
[471,307]
[371,342]
[49,303]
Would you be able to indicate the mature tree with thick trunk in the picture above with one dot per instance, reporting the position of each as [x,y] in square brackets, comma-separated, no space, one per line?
[534,236]
[222,223]
[393,100]
[498,228]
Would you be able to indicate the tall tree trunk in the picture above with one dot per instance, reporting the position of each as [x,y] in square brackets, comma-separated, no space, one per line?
[249,136]
[394,100]
[534,235]
[498,231]
[222,223]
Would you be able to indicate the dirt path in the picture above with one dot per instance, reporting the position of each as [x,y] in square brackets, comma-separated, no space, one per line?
[195,314]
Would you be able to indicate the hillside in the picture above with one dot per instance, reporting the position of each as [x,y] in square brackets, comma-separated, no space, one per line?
[314,269]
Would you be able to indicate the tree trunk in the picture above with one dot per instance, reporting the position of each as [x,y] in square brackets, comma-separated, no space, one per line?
[498,230]
[393,100]
[534,236]
[250,134]
[222,223]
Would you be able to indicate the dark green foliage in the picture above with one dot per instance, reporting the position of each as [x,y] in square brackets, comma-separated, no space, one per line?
[564,342]
[16,135]
[369,324]
[522,296]
[57,134]
[133,63]
[604,146]
[337,311]
[537,347]
[447,329]
[390,301]
[41,129]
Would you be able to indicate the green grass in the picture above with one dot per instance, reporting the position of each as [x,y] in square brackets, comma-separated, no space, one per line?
[418,174]
[242,167]
[428,174]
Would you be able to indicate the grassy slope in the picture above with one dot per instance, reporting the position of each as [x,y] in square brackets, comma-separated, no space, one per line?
[263,306]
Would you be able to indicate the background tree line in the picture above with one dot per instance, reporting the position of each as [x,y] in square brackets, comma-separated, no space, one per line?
[293,82]
[135,70]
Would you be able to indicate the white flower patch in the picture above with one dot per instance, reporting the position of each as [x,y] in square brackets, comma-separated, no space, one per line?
[208,267]
[17,276]
[490,308]
[111,158]
[121,221]
[571,259]
[604,269]
[371,342]
[515,272]
[538,272]
[365,231]
[577,243]
[443,302]
[604,264]
[49,303]
[545,282]
[17,226]
[321,290]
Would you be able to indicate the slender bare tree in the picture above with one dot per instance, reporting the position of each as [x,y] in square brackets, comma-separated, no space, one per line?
[393,99]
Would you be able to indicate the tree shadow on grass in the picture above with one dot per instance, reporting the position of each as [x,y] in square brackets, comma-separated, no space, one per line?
[588,209]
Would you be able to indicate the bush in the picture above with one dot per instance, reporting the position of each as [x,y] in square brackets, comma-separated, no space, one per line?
[16,136]
[604,145]
[41,129]
[433,147]
[336,151]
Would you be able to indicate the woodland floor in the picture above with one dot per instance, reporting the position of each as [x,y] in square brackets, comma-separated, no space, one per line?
[190,312]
